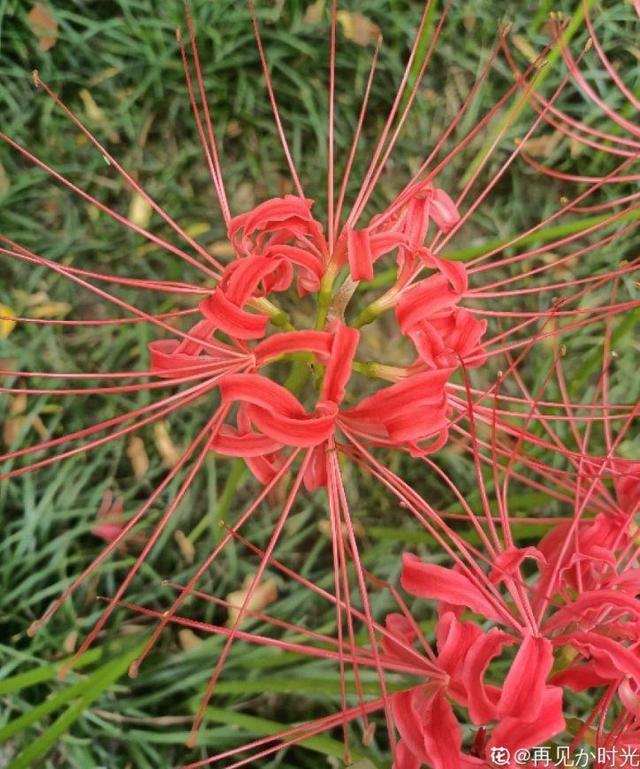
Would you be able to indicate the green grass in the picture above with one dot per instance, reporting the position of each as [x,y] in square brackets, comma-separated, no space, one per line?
[123,53]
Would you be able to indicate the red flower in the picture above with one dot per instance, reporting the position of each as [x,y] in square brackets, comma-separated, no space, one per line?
[522,712]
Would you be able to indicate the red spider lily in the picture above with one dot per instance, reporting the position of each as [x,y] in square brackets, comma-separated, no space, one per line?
[527,710]
[574,632]
[599,625]
[222,364]
[585,607]
[514,714]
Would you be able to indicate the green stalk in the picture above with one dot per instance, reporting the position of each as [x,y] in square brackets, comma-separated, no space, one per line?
[421,53]
[236,475]
[514,112]
[325,296]
[82,696]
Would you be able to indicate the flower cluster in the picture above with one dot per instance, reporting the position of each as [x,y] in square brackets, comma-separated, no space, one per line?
[279,241]
[584,609]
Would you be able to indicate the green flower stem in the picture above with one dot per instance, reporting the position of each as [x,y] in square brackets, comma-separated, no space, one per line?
[375,370]
[575,23]
[325,295]
[277,316]
[381,304]
[236,475]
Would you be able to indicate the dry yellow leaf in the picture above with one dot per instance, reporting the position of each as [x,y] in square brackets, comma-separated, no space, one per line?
[18,404]
[13,424]
[70,642]
[10,430]
[542,146]
[358,28]
[41,305]
[7,324]
[313,14]
[524,46]
[167,449]
[51,310]
[369,734]
[145,249]
[44,26]
[138,457]
[324,527]
[265,593]
[29,300]
[197,228]
[185,545]
[5,183]
[140,210]
[233,129]
[244,196]
[39,427]
[222,249]
[15,421]
[576,147]
[105,74]
[188,639]
[93,112]
[285,185]
[469,22]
